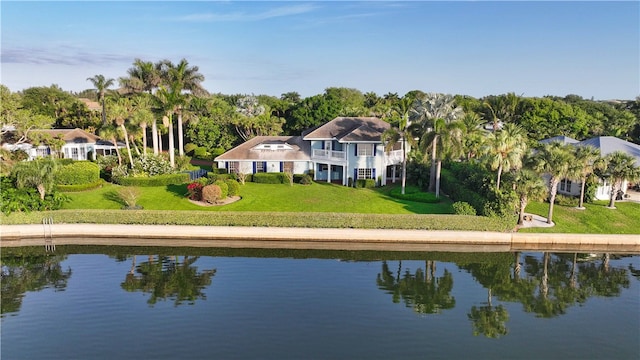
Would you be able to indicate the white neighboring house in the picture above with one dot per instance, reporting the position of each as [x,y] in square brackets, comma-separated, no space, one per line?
[79,145]
[342,149]
[606,145]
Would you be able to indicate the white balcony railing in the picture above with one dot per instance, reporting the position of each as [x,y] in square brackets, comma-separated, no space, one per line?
[394,157]
[329,154]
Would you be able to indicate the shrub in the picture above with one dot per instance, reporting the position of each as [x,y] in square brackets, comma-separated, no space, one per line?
[269,178]
[211,193]
[158,180]
[234,187]
[303,179]
[566,200]
[201,153]
[183,163]
[366,183]
[463,208]
[81,187]
[189,148]
[106,164]
[77,173]
[27,199]
[194,191]
[224,188]
[129,197]
[151,165]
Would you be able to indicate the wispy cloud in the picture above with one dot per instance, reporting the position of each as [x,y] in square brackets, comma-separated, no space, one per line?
[62,55]
[245,16]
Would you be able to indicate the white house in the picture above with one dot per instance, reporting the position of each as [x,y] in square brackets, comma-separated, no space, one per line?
[606,145]
[342,149]
[79,145]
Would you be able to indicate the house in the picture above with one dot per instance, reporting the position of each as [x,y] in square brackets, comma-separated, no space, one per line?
[78,145]
[341,151]
[606,145]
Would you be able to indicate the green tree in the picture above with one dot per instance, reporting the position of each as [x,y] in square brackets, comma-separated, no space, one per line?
[112,133]
[528,186]
[585,158]
[504,149]
[38,173]
[618,167]
[553,159]
[400,134]
[501,109]
[101,85]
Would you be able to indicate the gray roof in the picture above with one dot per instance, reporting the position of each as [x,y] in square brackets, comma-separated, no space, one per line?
[300,151]
[350,129]
[609,144]
[563,139]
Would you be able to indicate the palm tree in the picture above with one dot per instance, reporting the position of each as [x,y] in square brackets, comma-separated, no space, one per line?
[167,102]
[504,149]
[473,135]
[553,159]
[585,158]
[101,84]
[143,116]
[619,166]
[112,133]
[528,186]
[426,112]
[502,108]
[400,134]
[38,173]
[121,112]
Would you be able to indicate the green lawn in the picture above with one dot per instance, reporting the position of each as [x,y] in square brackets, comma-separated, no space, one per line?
[595,219]
[318,197]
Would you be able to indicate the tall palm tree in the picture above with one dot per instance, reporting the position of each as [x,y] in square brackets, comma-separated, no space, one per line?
[502,108]
[504,149]
[167,102]
[112,133]
[528,186]
[121,113]
[554,159]
[585,158]
[473,135]
[426,112]
[143,116]
[400,134]
[102,84]
[619,166]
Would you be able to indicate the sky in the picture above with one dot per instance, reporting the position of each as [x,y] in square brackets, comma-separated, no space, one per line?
[476,48]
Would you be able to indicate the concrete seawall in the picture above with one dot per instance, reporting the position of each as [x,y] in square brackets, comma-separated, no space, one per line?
[308,238]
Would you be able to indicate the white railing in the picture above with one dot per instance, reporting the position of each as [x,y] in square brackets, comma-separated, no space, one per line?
[329,154]
[394,157]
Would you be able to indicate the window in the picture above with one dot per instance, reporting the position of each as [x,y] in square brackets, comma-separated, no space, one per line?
[233,167]
[365,149]
[365,173]
[260,167]
[565,185]
[42,152]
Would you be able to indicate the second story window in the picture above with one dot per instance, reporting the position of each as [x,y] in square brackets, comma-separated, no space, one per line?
[365,149]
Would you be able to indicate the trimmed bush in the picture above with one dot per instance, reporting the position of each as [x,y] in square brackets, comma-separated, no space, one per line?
[158,180]
[366,183]
[234,187]
[463,208]
[77,173]
[81,187]
[224,188]
[211,193]
[303,179]
[269,178]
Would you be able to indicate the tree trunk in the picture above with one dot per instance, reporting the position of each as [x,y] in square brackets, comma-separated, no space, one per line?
[172,155]
[432,173]
[614,191]
[104,110]
[180,136]
[581,201]
[553,183]
[126,141]
[523,205]
[154,136]
[115,143]
[499,176]
[144,141]
[404,166]
[41,190]
[438,168]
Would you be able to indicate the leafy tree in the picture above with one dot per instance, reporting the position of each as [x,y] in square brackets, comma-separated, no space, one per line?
[60,105]
[214,128]
[38,173]
[473,135]
[102,84]
[585,158]
[554,159]
[504,149]
[619,166]
[254,119]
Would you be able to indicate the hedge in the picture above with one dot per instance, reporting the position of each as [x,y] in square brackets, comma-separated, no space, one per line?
[233,186]
[81,187]
[366,183]
[269,219]
[77,173]
[270,178]
[158,180]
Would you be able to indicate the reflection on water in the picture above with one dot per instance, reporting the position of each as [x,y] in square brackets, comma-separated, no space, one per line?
[466,295]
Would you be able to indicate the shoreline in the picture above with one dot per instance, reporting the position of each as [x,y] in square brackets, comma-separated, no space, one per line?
[308,238]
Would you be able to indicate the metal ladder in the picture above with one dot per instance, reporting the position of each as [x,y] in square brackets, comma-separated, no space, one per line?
[47,224]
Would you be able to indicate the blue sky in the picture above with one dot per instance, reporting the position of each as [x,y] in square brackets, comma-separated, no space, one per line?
[474,48]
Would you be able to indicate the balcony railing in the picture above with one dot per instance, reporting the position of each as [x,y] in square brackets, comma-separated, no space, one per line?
[394,157]
[329,154]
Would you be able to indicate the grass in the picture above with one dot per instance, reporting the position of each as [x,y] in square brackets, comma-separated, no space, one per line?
[318,197]
[595,219]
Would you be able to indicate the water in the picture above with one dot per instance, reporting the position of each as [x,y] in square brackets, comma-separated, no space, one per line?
[106,303]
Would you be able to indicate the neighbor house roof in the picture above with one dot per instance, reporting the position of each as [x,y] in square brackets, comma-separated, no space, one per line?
[350,129]
[294,149]
[610,144]
[92,105]
[563,139]
[71,135]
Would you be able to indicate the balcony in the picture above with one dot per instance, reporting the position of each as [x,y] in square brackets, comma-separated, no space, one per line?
[393,157]
[333,155]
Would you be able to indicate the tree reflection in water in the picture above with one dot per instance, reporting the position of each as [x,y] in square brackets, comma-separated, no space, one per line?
[30,273]
[167,278]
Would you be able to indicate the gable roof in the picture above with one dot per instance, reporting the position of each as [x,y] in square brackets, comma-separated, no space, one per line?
[563,139]
[609,144]
[71,135]
[350,129]
[251,150]
[92,105]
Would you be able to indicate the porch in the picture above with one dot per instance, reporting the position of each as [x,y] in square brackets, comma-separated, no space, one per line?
[330,155]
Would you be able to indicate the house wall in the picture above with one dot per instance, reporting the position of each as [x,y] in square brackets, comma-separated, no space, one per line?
[246,167]
[377,161]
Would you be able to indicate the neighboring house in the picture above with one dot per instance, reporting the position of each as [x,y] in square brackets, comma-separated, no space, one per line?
[344,148]
[79,145]
[606,145]
[92,105]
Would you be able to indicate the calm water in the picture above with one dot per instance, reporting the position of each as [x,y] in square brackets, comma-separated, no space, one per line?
[111,303]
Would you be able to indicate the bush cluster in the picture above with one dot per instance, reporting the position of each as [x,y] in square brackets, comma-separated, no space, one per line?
[463,208]
[270,178]
[365,183]
[13,199]
[224,188]
[303,179]
[77,173]
[151,165]
[233,186]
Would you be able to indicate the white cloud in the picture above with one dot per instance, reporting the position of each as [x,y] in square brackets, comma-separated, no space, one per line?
[244,16]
